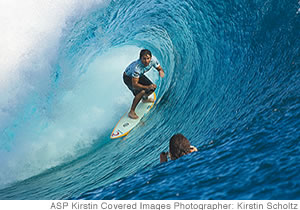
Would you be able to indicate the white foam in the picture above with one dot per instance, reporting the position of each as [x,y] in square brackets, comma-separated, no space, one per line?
[77,118]
[30,32]
[29,43]
[28,24]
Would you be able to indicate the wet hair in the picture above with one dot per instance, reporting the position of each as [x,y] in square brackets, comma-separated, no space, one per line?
[179,146]
[145,52]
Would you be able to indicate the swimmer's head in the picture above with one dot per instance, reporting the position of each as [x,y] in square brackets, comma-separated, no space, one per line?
[179,146]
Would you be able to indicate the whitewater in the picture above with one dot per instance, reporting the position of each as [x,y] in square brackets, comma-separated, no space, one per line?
[232,87]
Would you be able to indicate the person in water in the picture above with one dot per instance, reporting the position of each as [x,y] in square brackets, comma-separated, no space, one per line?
[179,146]
[137,82]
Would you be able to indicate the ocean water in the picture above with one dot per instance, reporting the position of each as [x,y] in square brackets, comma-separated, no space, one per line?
[232,87]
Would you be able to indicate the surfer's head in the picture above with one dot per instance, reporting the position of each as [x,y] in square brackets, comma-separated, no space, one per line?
[145,57]
[179,146]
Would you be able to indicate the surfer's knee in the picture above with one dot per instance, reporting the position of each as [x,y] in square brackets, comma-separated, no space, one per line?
[148,92]
[140,93]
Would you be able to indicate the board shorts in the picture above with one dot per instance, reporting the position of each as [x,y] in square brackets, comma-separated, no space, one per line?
[142,80]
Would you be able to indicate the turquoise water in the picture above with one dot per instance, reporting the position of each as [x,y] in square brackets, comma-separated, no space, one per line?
[231,87]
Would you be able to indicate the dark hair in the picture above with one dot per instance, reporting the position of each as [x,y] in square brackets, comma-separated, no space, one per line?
[145,52]
[179,146]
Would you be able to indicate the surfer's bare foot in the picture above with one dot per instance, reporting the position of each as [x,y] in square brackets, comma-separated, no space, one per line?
[148,100]
[132,115]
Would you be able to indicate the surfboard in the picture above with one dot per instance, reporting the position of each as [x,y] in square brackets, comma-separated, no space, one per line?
[126,124]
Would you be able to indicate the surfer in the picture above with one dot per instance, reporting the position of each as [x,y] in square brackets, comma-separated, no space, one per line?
[179,146]
[140,85]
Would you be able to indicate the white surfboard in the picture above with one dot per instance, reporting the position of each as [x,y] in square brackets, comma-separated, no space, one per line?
[126,124]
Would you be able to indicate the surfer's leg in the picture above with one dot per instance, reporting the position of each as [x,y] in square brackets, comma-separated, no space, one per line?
[146,81]
[148,100]
[135,102]
[128,82]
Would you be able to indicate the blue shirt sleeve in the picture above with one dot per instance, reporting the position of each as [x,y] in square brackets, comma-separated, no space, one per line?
[137,71]
[155,62]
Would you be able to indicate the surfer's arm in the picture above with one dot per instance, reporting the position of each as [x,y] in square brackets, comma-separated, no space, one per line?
[161,71]
[137,85]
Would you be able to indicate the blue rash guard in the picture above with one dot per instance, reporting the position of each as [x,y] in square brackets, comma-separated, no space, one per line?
[137,69]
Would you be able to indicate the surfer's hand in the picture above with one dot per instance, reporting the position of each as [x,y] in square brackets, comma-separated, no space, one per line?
[152,87]
[161,74]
